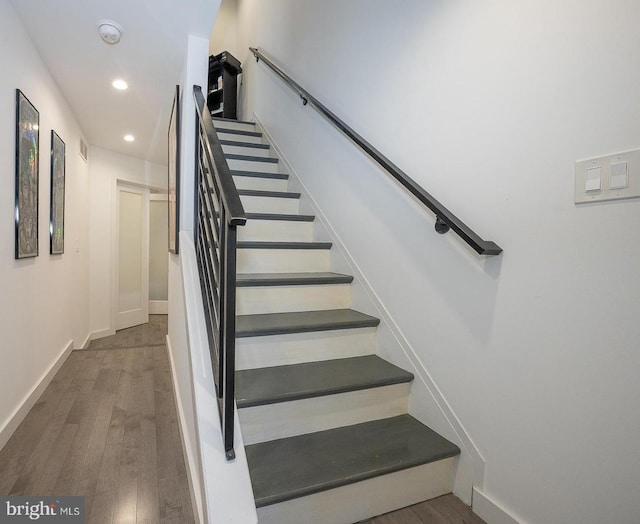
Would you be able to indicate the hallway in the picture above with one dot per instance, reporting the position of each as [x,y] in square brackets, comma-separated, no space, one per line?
[106,428]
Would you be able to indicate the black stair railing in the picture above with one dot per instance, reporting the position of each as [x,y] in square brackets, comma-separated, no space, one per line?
[445,219]
[218,213]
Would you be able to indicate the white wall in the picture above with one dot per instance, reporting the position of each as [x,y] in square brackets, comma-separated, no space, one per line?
[44,300]
[106,169]
[487,105]
[224,34]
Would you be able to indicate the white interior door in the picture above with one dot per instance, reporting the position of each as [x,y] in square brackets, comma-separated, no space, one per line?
[132,257]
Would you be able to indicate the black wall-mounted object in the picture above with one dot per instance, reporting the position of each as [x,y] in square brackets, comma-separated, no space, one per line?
[222,95]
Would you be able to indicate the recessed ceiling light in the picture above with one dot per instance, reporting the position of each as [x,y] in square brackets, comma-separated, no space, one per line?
[129,138]
[120,84]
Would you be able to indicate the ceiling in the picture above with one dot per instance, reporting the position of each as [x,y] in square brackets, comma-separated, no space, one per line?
[149,57]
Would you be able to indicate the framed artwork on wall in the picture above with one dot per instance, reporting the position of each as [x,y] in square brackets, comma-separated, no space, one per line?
[56,214]
[174,173]
[26,188]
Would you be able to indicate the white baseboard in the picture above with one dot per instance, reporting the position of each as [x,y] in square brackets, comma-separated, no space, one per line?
[489,510]
[86,343]
[32,397]
[158,307]
[187,452]
[101,333]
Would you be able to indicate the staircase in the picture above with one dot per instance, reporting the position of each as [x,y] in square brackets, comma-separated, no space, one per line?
[325,421]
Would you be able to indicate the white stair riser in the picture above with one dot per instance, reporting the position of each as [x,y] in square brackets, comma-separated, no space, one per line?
[234,124]
[366,499]
[249,165]
[276,231]
[261,184]
[295,348]
[261,204]
[240,150]
[262,423]
[282,299]
[282,260]
[240,138]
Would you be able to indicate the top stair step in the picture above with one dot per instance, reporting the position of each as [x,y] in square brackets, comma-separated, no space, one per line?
[293,467]
[301,322]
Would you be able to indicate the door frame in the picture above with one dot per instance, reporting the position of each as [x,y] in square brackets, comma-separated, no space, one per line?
[158,307]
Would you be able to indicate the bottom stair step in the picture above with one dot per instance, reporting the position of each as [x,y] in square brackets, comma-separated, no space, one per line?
[285,469]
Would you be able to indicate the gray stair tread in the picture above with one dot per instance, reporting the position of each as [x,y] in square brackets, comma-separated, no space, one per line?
[271,194]
[279,216]
[293,467]
[230,131]
[259,174]
[258,387]
[223,120]
[301,322]
[251,158]
[290,279]
[244,144]
[248,244]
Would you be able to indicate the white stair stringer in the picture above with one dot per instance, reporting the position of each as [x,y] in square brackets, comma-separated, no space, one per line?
[427,401]
[273,420]
[365,499]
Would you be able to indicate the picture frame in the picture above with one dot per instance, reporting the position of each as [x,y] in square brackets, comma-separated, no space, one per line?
[174,174]
[56,209]
[27,177]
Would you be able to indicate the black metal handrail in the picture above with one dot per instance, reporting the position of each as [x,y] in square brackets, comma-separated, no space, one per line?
[445,219]
[218,212]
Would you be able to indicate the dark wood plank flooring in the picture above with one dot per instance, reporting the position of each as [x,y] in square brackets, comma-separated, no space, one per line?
[106,428]
[444,510]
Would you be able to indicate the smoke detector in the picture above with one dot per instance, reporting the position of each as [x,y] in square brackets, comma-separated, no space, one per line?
[110,31]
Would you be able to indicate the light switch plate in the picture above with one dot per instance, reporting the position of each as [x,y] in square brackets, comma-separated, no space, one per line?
[619,177]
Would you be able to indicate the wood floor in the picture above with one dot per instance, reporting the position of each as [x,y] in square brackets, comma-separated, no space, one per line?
[106,429]
[443,510]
